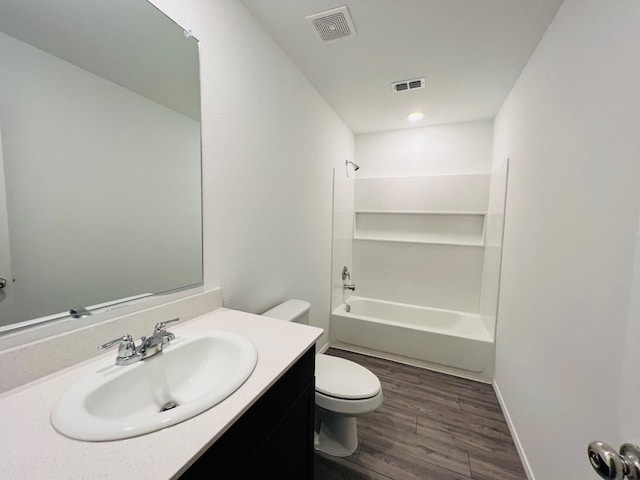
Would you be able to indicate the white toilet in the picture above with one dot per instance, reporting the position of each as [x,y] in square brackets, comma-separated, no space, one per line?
[344,390]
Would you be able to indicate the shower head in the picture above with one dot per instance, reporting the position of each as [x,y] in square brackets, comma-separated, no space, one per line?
[355,167]
[346,166]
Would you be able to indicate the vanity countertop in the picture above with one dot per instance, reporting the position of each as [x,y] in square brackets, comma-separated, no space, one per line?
[31,448]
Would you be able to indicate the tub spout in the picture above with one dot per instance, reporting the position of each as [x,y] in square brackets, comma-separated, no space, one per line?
[347,286]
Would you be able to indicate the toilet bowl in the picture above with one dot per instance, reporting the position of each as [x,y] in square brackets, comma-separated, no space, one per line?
[344,390]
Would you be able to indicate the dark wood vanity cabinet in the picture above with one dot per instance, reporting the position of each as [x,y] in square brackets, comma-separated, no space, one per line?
[273,439]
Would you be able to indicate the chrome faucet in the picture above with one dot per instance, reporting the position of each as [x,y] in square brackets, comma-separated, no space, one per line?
[346,286]
[347,276]
[129,353]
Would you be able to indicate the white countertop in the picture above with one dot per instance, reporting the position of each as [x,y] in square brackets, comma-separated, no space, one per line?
[30,448]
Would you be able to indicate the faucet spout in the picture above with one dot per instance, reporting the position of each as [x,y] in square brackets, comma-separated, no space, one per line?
[348,286]
[149,346]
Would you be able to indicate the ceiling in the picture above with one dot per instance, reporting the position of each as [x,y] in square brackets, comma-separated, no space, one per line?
[470,51]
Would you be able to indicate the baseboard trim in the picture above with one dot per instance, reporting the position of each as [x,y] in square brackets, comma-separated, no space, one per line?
[514,434]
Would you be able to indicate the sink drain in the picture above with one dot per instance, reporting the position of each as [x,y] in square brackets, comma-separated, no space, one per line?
[169,406]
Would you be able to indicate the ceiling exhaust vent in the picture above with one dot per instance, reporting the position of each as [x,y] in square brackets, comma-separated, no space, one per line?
[406,85]
[332,25]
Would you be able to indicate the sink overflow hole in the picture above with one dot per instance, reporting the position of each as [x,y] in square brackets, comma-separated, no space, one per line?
[168,406]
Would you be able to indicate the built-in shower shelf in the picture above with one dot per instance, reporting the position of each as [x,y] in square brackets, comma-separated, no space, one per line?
[417,242]
[421,227]
[422,212]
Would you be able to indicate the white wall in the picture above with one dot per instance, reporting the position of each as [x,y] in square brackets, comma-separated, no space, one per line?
[270,143]
[567,300]
[456,149]
[62,125]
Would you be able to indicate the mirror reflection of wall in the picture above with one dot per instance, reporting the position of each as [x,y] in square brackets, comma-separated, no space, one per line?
[102,184]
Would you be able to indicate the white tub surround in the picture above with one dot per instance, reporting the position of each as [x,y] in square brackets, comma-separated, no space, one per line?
[31,448]
[420,237]
[494,231]
[418,253]
[420,240]
[446,340]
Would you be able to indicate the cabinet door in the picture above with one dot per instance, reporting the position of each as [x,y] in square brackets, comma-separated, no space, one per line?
[273,439]
[288,452]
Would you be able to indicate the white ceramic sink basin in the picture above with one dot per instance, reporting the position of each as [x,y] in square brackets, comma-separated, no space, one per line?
[196,371]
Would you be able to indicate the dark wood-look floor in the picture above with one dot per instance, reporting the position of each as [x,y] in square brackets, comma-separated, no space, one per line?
[431,426]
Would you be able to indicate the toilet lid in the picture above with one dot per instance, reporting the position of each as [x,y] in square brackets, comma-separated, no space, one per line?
[341,378]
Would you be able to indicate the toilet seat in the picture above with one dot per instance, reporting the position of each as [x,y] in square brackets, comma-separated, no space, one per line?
[341,378]
[348,407]
[343,386]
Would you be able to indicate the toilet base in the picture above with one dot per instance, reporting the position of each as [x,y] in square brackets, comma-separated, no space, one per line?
[335,434]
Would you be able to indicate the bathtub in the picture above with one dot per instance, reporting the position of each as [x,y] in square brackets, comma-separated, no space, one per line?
[425,336]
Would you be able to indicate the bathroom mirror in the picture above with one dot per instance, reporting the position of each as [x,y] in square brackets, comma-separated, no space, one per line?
[100,165]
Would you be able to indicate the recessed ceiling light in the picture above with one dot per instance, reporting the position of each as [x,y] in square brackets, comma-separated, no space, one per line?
[415,116]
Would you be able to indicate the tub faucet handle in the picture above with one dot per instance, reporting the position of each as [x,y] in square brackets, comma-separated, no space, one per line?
[345,273]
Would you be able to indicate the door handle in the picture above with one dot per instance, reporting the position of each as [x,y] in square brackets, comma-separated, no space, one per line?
[612,465]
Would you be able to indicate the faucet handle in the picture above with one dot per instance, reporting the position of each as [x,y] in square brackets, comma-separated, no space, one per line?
[345,273]
[161,326]
[127,346]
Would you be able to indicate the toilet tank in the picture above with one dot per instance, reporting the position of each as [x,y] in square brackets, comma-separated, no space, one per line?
[291,311]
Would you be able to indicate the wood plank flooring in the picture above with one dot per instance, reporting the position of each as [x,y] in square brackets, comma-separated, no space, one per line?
[431,426]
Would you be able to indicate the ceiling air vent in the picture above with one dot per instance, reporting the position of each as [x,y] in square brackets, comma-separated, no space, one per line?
[332,25]
[406,85]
